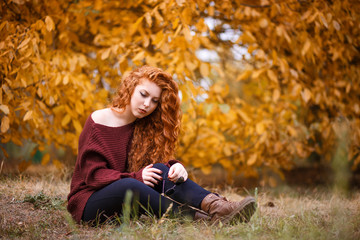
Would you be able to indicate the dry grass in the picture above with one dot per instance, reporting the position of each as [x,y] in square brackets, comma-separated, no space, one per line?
[35,208]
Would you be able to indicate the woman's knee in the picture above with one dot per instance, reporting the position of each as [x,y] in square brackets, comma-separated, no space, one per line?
[129,183]
[161,166]
[119,187]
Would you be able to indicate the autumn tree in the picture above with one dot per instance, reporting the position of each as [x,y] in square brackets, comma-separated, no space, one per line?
[282,74]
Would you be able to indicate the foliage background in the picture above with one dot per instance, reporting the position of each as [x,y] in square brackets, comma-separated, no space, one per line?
[266,85]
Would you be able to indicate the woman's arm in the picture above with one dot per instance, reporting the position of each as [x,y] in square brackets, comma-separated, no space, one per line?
[96,174]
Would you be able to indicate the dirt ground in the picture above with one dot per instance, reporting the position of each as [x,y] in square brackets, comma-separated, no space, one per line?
[34,207]
[17,216]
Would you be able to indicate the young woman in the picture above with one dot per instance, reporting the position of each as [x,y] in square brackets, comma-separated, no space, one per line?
[130,146]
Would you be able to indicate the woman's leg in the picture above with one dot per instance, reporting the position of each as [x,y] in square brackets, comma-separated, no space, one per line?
[109,200]
[187,192]
[218,208]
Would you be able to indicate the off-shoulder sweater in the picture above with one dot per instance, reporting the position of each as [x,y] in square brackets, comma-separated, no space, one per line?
[101,160]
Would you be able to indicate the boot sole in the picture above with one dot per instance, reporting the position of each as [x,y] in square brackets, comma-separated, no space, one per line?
[243,213]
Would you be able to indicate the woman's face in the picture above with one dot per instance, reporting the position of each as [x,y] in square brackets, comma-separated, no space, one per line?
[145,98]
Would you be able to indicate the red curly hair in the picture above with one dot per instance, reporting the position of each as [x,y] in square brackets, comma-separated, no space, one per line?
[155,136]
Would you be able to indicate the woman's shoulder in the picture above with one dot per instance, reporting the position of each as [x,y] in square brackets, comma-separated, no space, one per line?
[101,116]
[107,118]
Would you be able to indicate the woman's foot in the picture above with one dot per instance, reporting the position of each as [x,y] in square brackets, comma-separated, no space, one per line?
[220,209]
[199,216]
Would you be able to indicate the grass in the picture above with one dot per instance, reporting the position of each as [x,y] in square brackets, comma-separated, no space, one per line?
[35,208]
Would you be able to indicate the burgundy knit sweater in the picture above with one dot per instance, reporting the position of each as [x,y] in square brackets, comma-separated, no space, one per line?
[101,160]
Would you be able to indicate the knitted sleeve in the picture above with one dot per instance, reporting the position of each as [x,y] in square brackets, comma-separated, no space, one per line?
[96,174]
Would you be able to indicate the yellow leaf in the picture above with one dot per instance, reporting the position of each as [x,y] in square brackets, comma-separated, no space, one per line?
[17,140]
[251,48]
[135,26]
[294,73]
[139,57]
[276,95]
[46,159]
[204,69]
[77,125]
[51,101]
[5,124]
[206,169]
[191,65]
[306,95]
[336,25]
[245,75]
[175,23]
[227,150]
[177,31]
[158,16]
[49,23]
[248,37]
[148,19]
[43,107]
[260,128]
[263,23]
[79,107]
[65,120]
[211,10]
[25,65]
[3,24]
[323,20]
[244,116]
[105,54]
[187,33]
[23,82]
[226,164]
[23,43]
[257,73]
[39,92]
[28,115]
[187,15]
[66,79]
[252,159]
[4,108]
[296,90]
[284,66]
[82,60]
[58,79]
[312,17]
[272,75]
[306,47]
[274,57]
[291,131]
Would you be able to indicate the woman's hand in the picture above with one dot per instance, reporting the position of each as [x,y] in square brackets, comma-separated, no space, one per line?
[176,171]
[151,175]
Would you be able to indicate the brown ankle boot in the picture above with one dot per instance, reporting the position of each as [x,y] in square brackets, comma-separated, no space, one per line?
[199,216]
[220,209]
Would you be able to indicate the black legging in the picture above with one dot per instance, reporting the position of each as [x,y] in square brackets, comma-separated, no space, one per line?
[109,200]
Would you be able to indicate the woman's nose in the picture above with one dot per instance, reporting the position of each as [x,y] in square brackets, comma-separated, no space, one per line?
[147,102]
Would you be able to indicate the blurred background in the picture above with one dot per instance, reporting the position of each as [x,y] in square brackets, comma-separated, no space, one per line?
[270,89]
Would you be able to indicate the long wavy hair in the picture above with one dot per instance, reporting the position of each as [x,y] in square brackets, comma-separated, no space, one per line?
[155,136]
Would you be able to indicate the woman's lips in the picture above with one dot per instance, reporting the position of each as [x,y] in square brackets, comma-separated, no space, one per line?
[142,111]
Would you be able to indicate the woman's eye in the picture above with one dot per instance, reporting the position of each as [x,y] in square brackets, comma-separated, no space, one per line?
[143,94]
[155,101]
